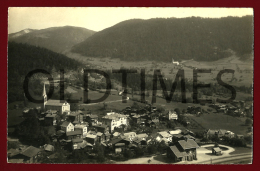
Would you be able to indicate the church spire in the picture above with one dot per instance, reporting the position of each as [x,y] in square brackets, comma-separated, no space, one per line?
[44,96]
[44,91]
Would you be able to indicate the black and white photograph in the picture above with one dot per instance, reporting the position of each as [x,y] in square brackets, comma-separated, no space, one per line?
[130,85]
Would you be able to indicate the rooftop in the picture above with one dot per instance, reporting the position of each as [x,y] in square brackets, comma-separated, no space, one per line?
[31,151]
[56,103]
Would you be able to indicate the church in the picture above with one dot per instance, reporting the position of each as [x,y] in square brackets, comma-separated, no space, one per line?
[61,106]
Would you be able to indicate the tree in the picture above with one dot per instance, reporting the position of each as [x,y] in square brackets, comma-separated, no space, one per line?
[177,110]
[104,106]
[128,153]
[248,122]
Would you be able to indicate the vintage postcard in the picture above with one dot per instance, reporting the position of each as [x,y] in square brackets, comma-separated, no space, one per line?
[130,85]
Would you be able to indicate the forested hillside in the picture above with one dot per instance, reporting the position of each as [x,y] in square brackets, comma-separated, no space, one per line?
[178,38]
[23,58]
[57,39]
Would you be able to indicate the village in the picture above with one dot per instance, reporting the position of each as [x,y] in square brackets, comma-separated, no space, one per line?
[143,132]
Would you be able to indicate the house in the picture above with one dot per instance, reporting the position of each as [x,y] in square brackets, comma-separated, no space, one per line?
[76,117]
[164,136]
[183,150]
[219,133]
[83,128]
[74,134]
[100,137]
[78,143]
[119,147]
[216,151]
[12,152]
[29,155]
[153,123]
[175,132]
[172,115]
[101,128]
[67,126]
[50,119]
[92,119]
[107,136]
[140,139]
[129,135]
[114,120]
[48,147]
[91,138]
[175,154]
[116,134]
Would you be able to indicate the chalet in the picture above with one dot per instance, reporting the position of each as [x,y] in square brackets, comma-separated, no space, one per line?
[78,143]
[119,147]
[29,155]
[153,123]
[114,120]
[67,126]
[101,128]
[91,138]
[48,148]
[164,136]
[107,136]
[83,128]
[12,152]
[76,117]
[73,134]
[116,134]
[100,137]
[92,119]
[50,119]
[129,135]
[140,139]
[172,115]
[174,132]
[184,150]
[219,133]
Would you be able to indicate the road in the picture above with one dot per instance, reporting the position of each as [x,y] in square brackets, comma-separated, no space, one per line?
[229,159]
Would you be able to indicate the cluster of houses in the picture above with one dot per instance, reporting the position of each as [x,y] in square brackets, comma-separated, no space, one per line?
[237,108]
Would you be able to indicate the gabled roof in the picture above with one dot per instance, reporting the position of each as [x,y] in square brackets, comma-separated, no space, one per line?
[77,140]
[99,134]
[177,153]
[144,135]
[115,140]
[48,147]
[77,132]
[164,134]
[31,151]
[65,124]
[93,116]
[50,116]
[12,152]
[188,144]
[55,103]
[91,136]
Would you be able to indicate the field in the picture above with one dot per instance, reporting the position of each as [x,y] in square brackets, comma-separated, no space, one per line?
[243,69]
[221,121]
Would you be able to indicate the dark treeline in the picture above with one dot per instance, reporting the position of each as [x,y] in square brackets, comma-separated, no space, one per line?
[23,58]
[164,39]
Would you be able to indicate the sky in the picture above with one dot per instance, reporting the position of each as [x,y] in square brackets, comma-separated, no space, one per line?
[99,18]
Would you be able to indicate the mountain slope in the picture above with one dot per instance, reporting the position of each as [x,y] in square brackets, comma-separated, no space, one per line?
[57,39]
[164,39]
[23,58]
[20,33]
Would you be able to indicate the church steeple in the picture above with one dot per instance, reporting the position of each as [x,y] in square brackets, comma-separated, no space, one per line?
[44,96]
